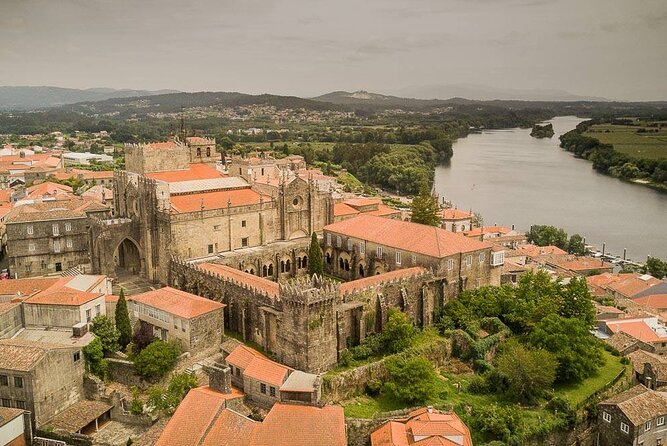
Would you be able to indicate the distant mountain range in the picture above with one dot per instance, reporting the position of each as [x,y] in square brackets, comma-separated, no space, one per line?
[31,98]
[486,93]
[376,100]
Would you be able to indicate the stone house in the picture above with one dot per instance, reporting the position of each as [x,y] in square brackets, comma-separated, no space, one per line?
[648,330]
[456,220]
[51,236]
[368,245]
[42,378]
[194,322]
[634,417]
[15,427]
[650,369]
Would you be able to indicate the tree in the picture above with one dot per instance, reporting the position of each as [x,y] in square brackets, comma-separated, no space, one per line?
[425,209]
[156,360]
[315,265]
[93,353]
[166,400]
[576,245]
[410,380]
[123,321]
[576,301]
[536,296]
[578,353]
[542,235]
[398,332]
[528,372]
[106,331]
[655,267]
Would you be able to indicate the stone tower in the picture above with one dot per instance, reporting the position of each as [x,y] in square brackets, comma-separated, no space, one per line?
[307,337]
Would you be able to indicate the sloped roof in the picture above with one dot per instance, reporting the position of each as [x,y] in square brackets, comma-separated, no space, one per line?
[79,415]
[454,214]
[534,250]
[193,172]
[257,366]
[407,236]
[300,425]
[75,207]
[7,414]
[21,355]
[12,287]
[640,404]
[379,279]
[424,427]
[261,284]
[180,303]
[230,429]
[216,200]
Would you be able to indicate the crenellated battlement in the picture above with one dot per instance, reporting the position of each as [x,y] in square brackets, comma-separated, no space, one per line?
[308,290]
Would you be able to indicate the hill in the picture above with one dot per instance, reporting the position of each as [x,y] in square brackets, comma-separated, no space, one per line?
[380,101]
[31,98]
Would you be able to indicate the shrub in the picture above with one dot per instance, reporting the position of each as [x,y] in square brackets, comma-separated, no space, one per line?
[107,333]
[156,360]
[345,358]
[481,366]
[123,321]
[143,337]
[411,380]
[373,387]
[398,333]
[166,400]
[94,356]
[362,352]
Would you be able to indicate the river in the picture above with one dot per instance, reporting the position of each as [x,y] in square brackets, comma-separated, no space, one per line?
[511,178]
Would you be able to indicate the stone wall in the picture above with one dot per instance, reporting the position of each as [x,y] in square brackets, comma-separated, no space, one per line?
[11,321]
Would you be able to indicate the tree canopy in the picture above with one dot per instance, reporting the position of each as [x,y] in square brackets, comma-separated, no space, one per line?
[156,360]
[544,235]
[123,325]
[529,372]
[106,331]
[315,265]
[411,379]
[425,209]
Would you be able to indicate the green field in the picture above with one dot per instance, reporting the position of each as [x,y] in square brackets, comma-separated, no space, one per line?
[625,139]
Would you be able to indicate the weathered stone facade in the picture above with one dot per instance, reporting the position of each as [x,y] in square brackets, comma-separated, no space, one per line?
[307,322]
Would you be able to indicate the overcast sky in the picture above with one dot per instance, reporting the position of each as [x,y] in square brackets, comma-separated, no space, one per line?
[609,48]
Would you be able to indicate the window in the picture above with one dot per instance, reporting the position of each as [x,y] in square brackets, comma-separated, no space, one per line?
[606,416]
[647,426]
[77,356]
[243,223]
[349,244]
[362,247]
[398,257]
[208,151]
[216,227]
[210,249]
[30,230]
[19,404]
[68,227]
[238,372]
[69,243]
[498,258]
[244,241]
[31,247]
[378,251]
[262,388]
[56,229]
[450,265]
[660,421]
[328,239]
[56,246]
[6,402]
[339,241]
[4,380]
[482,257]
[272,391]
[18,382]
[414,259]
[624,427]
[97,310]
[468,260]
[88,318]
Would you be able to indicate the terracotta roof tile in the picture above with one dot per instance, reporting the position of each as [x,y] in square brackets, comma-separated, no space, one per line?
[432,427]
[185,428]
[180,303]
[12,287]
[193,172]
[18,354]
[341,209]
[260,284]
[535,251]
[7,414]
[455,214]
[407,236]
[300,425]
[257,366]
[216,200]
[230,429]
[62,296]
[655,301]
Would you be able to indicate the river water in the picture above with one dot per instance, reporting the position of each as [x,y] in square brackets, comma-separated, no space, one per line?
[511,178]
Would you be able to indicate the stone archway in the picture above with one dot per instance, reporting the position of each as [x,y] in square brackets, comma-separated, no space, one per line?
[128,257]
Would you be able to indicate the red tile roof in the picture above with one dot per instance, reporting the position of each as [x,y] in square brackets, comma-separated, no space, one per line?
[216,200]
[236,276]
[638,329]
[407,236]
[300,425]
[372,281]
[581,264]
[48,189]
[62,296]
[341,209]
[654,301]
[534,250]
[180,303]
[194,416]
[194,172]
[455,214]
[257,366]
[230,429]
[424,427]
[12,287]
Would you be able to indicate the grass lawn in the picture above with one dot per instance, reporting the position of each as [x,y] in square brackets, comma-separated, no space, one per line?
[577,393]
[648,145]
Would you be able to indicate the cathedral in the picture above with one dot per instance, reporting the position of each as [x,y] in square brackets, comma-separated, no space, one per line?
[176,200]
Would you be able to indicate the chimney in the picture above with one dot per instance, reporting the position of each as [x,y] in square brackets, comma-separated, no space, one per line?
[219,377]
[429,409]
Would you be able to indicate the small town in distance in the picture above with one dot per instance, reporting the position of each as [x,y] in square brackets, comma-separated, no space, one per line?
[461,243]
